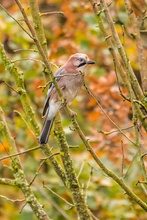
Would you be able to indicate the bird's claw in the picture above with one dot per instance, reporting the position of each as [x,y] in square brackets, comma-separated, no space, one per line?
[63,102]
[73,114]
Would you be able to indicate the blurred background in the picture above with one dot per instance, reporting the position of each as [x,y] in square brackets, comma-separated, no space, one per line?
[73,29]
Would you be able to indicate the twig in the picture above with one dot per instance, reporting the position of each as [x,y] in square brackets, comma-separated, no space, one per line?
[93,96]
[130,166]
[22,208]
[111,132]
[139,181]
[53,203]
[20,153]
[17,22]
[81,168]
[23,50]
[126,76]
[18,173]
[93,216]
[110,173]
[123,159]
[135,85]
[68,203]
[9,86]
[12,200]
[25,122]
[31,59]
[140,103]
[139,148]
[52,13]
[36,174]
[139,45]
[143,155]
[42,161]
[25,102]
[88,183]
[9,182]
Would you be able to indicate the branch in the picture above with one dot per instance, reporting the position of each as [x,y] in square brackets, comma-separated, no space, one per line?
[30,114]
[134,82]
[18,173]
[72,182]
[17,22]
[20,153]
[110,173]
[142,61]
[119,129]
[12,200]
[38,27]
[52,13]
[9,182]
[19,80]
[126,73]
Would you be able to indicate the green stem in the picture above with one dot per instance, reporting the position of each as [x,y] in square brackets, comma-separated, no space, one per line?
[110,173]
[72,182]
[20,180]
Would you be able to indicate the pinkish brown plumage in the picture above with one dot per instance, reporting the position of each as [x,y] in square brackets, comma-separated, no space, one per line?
[70,84]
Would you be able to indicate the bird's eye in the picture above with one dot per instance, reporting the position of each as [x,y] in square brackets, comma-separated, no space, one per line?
[81,59]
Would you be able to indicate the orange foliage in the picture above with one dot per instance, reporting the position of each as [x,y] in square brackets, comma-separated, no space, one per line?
[4,148]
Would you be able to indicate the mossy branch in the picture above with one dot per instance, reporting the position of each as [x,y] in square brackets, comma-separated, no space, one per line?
[72,182]
[20,180]
[19,80]
[134,82]
[139,45]
[110,173]
[125,71]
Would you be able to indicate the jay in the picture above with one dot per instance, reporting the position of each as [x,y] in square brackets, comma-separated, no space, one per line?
[70,78]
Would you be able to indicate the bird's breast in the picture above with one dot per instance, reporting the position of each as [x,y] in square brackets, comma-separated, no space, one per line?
[72,87]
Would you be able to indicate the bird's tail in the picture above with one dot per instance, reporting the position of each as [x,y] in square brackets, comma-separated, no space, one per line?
[43,139]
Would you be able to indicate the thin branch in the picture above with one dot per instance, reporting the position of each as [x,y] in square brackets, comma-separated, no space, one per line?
[9,86]
[52,13]
[113,131]
[88,183]
[68,203]
[18,173]
[20,153]
[42,161]
[9,182]
[81,168]
[110,173]
[139,147]
[123,159]
[98,103]
[31,59]
[135,85]
[53,203]
[23,50]
[139,45]
[12,200]
[17,112]
[17,22]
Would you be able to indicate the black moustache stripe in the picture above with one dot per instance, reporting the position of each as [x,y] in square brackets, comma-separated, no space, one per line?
[82,64]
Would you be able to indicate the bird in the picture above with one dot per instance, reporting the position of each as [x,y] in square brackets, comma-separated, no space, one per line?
[70,78]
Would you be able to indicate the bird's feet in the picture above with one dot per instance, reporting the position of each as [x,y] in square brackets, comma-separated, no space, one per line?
[63,102]
[73,114]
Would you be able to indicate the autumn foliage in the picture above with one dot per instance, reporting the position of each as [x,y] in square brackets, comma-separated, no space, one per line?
[104,111]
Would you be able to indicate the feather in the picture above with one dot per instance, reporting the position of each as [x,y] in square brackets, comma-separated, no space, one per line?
[45,131]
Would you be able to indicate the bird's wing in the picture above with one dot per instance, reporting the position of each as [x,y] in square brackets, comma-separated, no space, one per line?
[46,104]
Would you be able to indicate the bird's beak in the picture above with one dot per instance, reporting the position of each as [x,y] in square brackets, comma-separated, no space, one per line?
[91,62]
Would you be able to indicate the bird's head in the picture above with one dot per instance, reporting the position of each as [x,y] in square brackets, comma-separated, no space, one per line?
[78,62]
